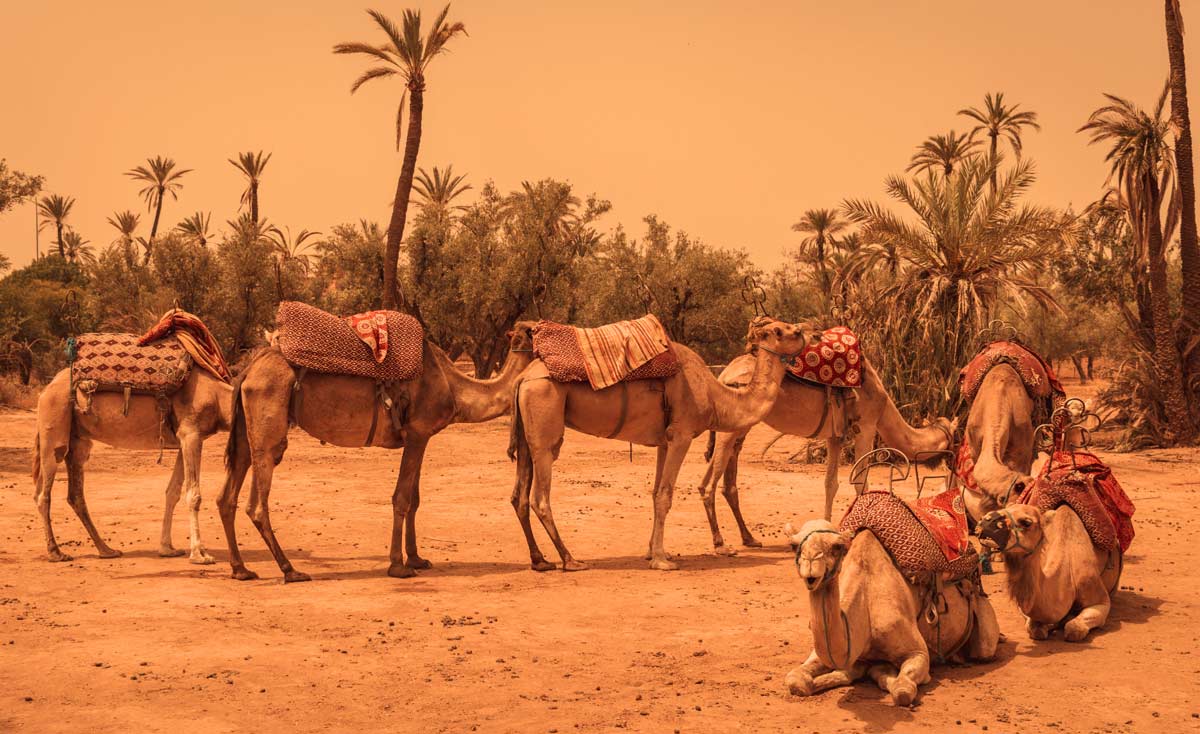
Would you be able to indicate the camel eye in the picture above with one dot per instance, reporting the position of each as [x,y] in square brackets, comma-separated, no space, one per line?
[1025,522]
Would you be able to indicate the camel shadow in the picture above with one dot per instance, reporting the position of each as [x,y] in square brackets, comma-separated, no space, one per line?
[1128,607]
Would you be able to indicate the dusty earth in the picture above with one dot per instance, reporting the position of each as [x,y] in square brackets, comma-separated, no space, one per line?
[481,643]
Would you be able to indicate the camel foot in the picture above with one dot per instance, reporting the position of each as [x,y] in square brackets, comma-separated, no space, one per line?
[169,552]
[1075,631]
[57,556]
[541,564]
[243,574]
[751,542]
[799,683]
[418,563]
[295,577]
[400,571]
[107,552]
[201,558]
[724,550]
[662,564]
[573,565]
[904,692]
[1037,631]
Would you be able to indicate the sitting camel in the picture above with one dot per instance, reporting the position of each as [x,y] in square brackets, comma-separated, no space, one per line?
[1056,575]
[665,413]
[199,408]
[801,410]
[866,618]
[341,410]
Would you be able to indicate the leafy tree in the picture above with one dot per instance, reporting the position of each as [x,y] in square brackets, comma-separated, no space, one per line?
[349,274]
[16,188]
[406,54]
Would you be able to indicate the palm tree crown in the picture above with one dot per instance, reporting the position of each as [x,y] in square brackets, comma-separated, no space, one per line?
[77,249]
[439,189]
[821,226]
[196,227]
[944,152]
[126,223]
[251,165]
[288,248]
[54,210]
[999,120]
[161,178]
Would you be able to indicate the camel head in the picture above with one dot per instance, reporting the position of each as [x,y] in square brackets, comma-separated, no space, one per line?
[778,337]
[1015,529]
[520,337]
[819,550]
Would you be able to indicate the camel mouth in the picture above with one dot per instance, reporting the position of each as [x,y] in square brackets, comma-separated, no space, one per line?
[989,544]
[812,583]
[994,531]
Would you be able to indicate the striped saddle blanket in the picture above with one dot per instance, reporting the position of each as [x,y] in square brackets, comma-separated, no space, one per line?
[928,537]
[115,362]
[386,346]
[1088,487]
[607,355]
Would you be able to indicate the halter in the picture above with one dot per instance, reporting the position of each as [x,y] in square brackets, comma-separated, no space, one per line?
[833,571]
[1016,531]
[786,359]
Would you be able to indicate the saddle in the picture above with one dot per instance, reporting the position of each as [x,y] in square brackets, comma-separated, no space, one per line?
[607,355]
[117,363]
[1085,484]
[385,346]
[834,361]
[925,539]
[1036,374]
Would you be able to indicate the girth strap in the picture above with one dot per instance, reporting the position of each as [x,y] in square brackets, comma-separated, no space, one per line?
[824,412]
[297,394]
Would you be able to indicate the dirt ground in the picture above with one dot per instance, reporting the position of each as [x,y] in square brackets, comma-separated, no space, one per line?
[481,643]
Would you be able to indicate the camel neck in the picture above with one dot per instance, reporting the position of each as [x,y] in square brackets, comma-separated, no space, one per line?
[739,408]
[830,626]
[897,433]
[1025,577]
[476,401]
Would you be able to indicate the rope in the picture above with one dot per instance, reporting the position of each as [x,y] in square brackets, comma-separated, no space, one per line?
[829,574]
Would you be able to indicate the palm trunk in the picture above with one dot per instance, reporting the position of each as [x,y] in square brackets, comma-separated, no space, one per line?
[412,143]
[995,165]
[254,202]
[1189,248]
[154,226]
[1166,355]
[58,233]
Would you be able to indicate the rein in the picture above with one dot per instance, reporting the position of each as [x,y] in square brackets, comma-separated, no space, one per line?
[786,359]
[829,574]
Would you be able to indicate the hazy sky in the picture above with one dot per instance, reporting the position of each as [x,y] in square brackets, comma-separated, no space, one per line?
[726,119]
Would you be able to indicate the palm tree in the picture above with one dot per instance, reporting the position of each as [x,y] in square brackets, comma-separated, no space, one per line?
[161,178]
[821,226]
[407,55]
[1189,247]
[251,165]
[195,227]
[438,190]
[1141,163]
[54,210]
[126,223]
[289,249]
[77,249]
[1001,121]
[943,151]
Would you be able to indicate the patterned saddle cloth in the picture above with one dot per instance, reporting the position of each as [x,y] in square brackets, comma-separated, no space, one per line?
[1089,488]
[114,362]
[386,346]
[607,355]
[928,537]
[835,360]
[1040,381]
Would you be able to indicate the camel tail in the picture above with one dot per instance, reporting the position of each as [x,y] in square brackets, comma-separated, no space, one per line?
[711,447]
[37,460]
[237,427]
[516,434]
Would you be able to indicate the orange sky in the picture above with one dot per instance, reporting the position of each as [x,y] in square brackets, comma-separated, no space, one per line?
[726,119]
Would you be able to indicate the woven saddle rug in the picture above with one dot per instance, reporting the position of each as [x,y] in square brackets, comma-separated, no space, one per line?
[1036,374]
[607,355]
[1089,488]
[322,342]
[835,360]
[194,337]
[116,362]
[928,537]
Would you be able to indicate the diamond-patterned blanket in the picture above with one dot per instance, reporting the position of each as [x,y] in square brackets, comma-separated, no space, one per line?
[322,342]
[561,349]
[1038,376]
[835,360]
[929,537]
[1088,486]
[116,362]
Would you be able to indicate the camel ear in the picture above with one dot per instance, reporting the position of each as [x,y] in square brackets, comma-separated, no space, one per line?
[761,333]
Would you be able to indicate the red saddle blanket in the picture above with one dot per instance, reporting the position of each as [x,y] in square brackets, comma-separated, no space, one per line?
[1037,375]
[928,537]
[560,348]
[322,342]
[835,360]
[117,361]
[1089,488]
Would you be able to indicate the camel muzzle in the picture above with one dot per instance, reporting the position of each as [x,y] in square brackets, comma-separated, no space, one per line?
[995,530]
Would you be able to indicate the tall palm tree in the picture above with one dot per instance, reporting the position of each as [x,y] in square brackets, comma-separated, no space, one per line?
[438,190]
[54,210]
[195,227]
[251,165]
[1142,165]
[77,249]
[944,152]
[161,178]
[999,120]
[1189,247]
[406,54]
[821,226]
[292,249]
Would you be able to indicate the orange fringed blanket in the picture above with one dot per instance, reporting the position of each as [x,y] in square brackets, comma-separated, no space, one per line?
[626,350]
[195,338]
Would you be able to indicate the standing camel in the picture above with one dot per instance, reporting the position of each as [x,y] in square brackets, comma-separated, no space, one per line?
[802,410]
[200,408]
[666,413]
[341,410]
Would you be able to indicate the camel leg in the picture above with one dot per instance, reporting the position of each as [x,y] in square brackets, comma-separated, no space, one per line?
[663,492]
[985,637]
[660,460]
[1092,616]
[864,443]
[520,503]
[166,548]
[41,495]
[814,676]
[190,446]
[263,464]
[543,465]
[410,521]
[227,504]
[833,457]
[402,499]
[76,459]
[1038,630]
[730,492]
[913,672]
[722,448]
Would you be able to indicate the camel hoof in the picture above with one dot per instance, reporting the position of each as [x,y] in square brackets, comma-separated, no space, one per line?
[244,574]
[110,553]
[169,552]
[1075,631]
[57,556]
[573,565]
[542,564]
[724,550]
[400,571]
[752,542]
[903,692]
[1038,632]
[418,563]
[799,683]
[201,559]
[662,564]
[295,577]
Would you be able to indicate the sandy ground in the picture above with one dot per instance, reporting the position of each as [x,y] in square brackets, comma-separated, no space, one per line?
[481,643]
